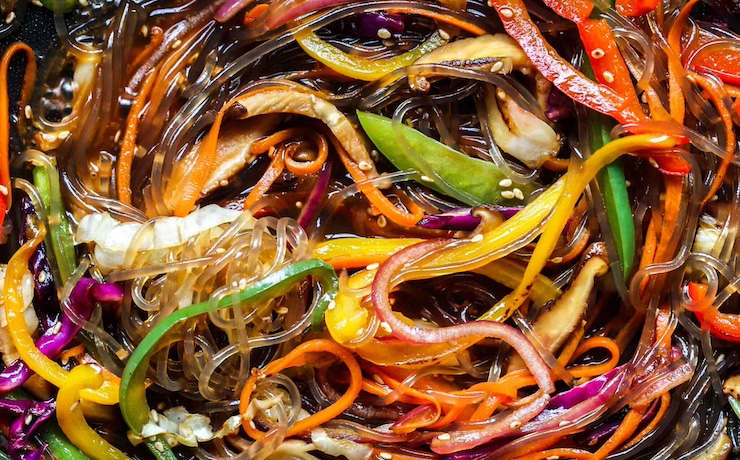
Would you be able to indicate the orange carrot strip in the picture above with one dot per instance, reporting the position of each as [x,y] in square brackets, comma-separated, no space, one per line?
[298,357]
[626,429]
[156,35]
[263,185]
[559,453]
[128,144]
[375,196]
[665,401]
[28,82]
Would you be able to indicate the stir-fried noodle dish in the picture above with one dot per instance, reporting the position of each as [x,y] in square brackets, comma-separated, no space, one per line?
[398,229]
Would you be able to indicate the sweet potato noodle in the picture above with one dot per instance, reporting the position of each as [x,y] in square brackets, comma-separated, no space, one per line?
[413,230]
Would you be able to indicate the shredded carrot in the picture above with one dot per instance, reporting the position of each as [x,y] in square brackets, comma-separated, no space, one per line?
[375,196]
[128,144]
[626,429]
[28,83]
[254,13]
[445,18]
[596,369]
[156,35]
[717,95]
[274,170]
[665,401]
[676,97]
[296,167]
[486,408]
[304,354]
[71,353]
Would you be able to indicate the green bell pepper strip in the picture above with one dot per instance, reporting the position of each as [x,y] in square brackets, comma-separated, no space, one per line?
[51,435]
[359,67]
[469,180]
[46,179]
[60,6]
[134,406]
[164,454]
[613,186]
[734,405]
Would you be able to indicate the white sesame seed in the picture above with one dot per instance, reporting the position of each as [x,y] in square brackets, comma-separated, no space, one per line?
[653,162]
[28,111]
[28,419]
[10,17]
[608,77]
[144,30]
[384,33]
[505,183]
[42,277]
[63,134]
[444,437]
[508,194]
[627,183]
[74,406]
[176,44]
[242,283]
[332,305]
[252,425]
[518,194]
[506,12]
[220,250]
[564,423]
[556,260]
[714,198]
[117,137]
[37,3]
[365,166]
[515,424]
[57,327]
[477,238]
[444,35]
[378,379]
[360,331]
[501,94]
[372,266]
[382,221]
[386,456]
[386,327]
[497,66]
[299,204]
[223,183]
[4,190]
[282,311]
[159,446]
[553,457]
[427,179]
[598,53]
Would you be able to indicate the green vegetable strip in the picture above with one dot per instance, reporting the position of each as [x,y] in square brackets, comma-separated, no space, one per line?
[134,406]
[734,405]
[46,180]
[51,435]
[165,454]
[613,186]
[469,180]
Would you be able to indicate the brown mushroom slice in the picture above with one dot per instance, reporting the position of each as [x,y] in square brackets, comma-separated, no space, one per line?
[481,52]
[497,53]
[233,150]
[520,133]
[297,102]
[731,387]
[553,327]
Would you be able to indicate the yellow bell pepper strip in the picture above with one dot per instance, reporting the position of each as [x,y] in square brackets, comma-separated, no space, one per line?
[356,66]
[28,82]
[48,369]
[134,406]
[72,420]
[470,180]
[359,252]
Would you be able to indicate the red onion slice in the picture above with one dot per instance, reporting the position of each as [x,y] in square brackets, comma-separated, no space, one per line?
[479,329]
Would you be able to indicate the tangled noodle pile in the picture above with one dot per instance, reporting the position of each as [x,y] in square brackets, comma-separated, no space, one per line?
[412,230]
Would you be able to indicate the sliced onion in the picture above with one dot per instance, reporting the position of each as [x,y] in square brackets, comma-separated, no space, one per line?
[504,425]
[479,329]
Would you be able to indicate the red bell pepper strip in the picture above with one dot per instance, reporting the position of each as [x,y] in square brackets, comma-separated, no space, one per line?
[724,63]
[633,8]
[725,326]
[601,98]
[572,10]
[28,83]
